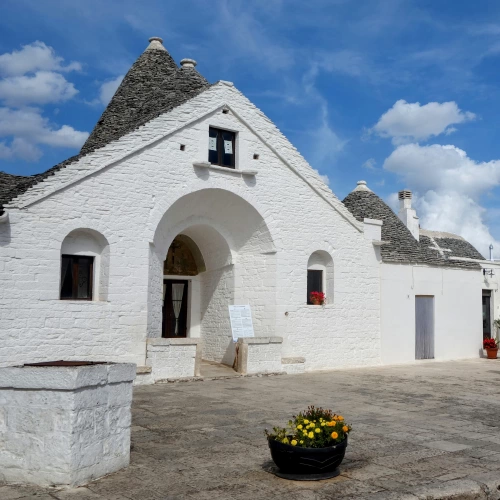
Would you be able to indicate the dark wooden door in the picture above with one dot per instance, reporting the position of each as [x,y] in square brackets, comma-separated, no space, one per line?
[486,314]
[424,327]
[175,308]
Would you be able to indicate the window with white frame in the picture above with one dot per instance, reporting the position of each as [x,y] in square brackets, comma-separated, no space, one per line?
[320,276]
[221,147]
[84,266]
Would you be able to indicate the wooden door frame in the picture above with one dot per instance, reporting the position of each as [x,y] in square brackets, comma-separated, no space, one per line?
[187,291]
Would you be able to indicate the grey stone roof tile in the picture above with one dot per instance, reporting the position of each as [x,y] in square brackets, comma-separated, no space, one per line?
[401,246]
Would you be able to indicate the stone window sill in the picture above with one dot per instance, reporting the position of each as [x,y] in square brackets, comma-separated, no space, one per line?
[227,170]
[81,302]
[325,306]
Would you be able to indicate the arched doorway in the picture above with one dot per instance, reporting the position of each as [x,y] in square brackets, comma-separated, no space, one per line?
[218,249]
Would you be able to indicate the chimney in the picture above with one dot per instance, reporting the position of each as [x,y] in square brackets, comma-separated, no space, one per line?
[407,214]
[188,63]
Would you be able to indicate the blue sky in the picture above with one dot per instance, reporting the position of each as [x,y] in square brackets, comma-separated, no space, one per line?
[401,93]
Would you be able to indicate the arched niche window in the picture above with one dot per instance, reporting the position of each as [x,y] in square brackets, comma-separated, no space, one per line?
[320,275]
[84,266]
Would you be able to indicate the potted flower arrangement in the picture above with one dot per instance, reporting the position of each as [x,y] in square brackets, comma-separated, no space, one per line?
[317,298]
[491,347]
[312,446]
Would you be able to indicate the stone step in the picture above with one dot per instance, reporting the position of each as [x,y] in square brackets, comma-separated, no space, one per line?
[294,364]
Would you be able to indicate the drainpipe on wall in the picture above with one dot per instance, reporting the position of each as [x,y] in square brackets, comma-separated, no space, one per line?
[491,252]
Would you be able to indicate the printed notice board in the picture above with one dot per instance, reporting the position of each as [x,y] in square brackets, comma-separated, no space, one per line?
[241,321]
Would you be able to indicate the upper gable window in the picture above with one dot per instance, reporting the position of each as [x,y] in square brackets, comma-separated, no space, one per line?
[221,147]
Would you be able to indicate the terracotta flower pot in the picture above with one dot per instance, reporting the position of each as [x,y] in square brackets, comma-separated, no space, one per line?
[492,353]
[315,302]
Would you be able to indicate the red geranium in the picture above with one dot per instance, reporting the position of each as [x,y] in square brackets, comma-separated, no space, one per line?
[490,344]
[317,297]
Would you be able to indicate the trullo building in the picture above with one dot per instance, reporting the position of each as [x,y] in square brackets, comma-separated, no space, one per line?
[186,199]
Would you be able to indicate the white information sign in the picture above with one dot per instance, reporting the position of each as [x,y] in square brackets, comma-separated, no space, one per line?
[228,147]
[241,321]
[212,143]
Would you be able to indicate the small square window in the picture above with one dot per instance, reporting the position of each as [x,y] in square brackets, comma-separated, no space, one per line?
[221,147]
[76,277]
[314,283]
[255,156]
[183,147]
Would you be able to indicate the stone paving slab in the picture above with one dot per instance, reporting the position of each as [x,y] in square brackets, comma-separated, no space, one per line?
[425,431]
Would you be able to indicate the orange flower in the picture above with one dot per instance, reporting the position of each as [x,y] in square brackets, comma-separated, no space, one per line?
[340,418]
[345,428]
[330,424]
[334,435]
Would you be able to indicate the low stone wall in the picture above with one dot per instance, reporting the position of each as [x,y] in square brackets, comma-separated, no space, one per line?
[174,358]
[64,425]
[259,355]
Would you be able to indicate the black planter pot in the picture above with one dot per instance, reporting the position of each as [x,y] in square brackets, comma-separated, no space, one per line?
[294,460]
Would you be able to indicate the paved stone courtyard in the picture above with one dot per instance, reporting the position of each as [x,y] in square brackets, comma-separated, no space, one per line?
[430,430]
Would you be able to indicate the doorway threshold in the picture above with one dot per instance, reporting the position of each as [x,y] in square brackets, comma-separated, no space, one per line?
[211,369]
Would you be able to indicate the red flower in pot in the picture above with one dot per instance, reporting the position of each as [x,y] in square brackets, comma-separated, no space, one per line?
[491,347]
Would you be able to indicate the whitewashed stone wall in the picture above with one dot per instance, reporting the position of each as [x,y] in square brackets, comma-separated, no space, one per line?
[173,358]
[259,355]
[126,198]
[64,425]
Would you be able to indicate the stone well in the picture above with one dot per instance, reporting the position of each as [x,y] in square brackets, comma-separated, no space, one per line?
[64,423]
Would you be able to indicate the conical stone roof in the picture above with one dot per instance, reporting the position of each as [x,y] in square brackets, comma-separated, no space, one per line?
[399,244]
[153,85]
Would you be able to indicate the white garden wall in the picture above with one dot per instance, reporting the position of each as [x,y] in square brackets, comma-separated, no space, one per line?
[271,223]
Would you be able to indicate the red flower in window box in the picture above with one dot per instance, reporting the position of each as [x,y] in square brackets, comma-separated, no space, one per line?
[491,347]
[317,298]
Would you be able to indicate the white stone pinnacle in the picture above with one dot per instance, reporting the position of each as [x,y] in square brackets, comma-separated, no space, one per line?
[362,186]
[156,43]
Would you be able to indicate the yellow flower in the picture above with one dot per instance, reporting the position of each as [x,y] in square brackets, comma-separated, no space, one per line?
[317,430]
[323,424]
[299,427]
[345,428]
[304,432]
[334,435]
[306,421]
[285,441]
[310,435]
[301,441]
[293,443]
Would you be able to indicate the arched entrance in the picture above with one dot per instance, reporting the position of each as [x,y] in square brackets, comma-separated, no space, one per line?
[184,260]
[213,249]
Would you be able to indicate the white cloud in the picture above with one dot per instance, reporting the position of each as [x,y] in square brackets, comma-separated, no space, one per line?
[31,58]
[406,122]
[370,164]
[32,76]
[43,87]
[450,187]
[28,128]
[108,89]
[20,148]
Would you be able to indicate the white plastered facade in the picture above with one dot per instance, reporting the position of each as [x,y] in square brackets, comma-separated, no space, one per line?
[256,231]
